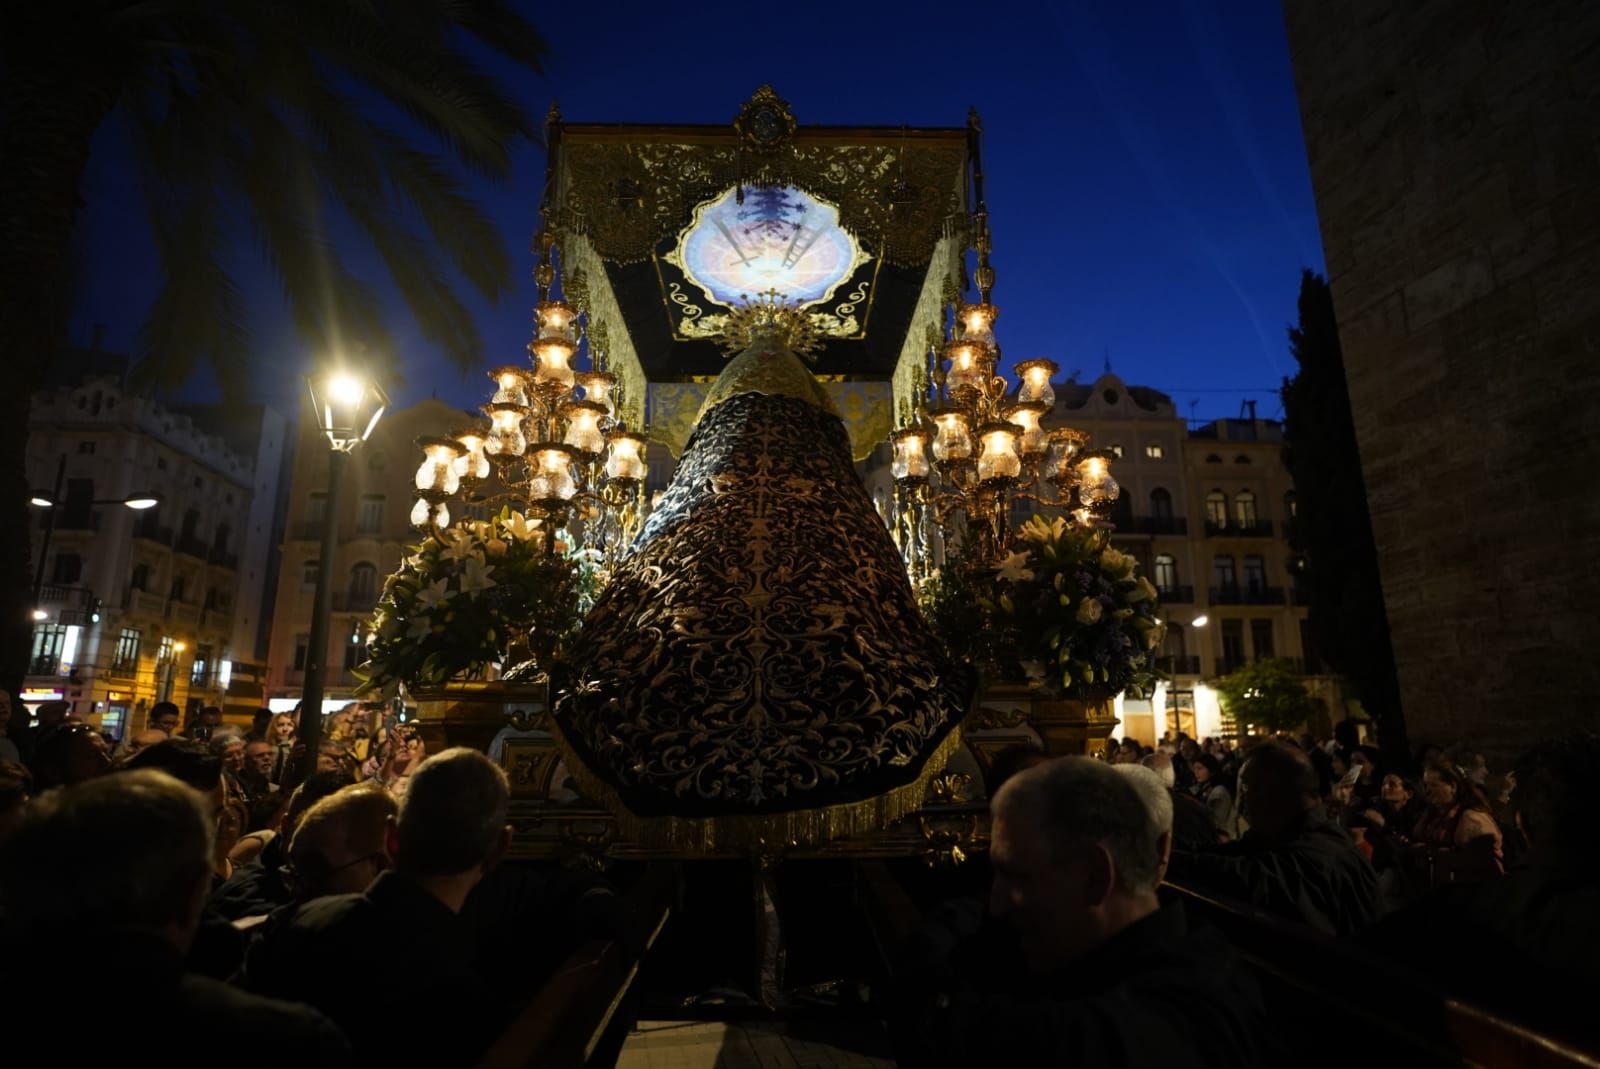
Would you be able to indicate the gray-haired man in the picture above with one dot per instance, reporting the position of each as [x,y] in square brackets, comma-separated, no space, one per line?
[1108,975]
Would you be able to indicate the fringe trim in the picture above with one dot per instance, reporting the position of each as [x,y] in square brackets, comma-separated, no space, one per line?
[764,834]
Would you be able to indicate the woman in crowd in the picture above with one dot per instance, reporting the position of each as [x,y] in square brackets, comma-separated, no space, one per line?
[1457,830]
[1209,788]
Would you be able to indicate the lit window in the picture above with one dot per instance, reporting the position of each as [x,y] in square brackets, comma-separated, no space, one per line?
[1154,451]
[1244,508]
[1116,450]
[1166,573]
[1217,508]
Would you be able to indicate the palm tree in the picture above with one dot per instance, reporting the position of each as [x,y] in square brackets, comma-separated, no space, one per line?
[262,117]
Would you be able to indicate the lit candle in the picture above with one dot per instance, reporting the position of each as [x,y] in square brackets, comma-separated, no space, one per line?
[1065,445]
[1095,484]
[597,387]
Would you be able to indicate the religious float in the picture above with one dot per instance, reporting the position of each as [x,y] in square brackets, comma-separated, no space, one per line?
[653,581]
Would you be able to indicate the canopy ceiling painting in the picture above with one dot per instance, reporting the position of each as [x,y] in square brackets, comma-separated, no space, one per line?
[664,230]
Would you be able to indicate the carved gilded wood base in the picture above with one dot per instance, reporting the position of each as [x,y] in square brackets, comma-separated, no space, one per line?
[1063,726]
[472,713]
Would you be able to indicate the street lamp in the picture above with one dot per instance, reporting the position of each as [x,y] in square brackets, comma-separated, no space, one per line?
[348,407]
[51,499]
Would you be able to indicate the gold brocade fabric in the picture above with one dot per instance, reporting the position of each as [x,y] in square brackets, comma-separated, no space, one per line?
[866,408]
[759,661]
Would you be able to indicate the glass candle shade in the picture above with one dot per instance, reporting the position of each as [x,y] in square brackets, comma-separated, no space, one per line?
[910,454]
[438,470]
[999,459]
[472,463]
[505,431]
[583,426]
[1035,441]
[552,473]
[953,442]
[1095,484]
[1035,385]
[553,361]
[557,319]
[626,458]
[511,385]
[420,513]
[598,386]
[1062,457]
[977,322]
[968,366]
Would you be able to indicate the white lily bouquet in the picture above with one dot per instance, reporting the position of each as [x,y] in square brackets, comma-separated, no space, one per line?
[484,592]
[1065,611]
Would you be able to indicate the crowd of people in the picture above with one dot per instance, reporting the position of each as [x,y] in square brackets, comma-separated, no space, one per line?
[1491,895]
[281,921]
[1433,819]
[303,919]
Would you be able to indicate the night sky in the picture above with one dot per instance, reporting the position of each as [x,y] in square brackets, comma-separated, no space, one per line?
[1146,177]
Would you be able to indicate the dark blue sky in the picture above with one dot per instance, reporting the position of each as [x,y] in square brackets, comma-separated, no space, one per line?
[1146,178]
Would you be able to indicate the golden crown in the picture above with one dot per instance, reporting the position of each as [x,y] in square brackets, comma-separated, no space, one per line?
[770,315]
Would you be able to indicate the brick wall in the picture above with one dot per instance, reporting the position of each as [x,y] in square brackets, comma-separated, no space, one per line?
[1455,155]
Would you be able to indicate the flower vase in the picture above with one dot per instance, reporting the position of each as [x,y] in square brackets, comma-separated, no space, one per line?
[472,712]
[1064,725]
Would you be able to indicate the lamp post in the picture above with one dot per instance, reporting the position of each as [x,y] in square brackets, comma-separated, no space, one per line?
[52,500]
[347,407]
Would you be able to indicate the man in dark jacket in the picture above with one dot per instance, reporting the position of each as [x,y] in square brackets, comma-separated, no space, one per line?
[101,885]
[1099,971]
[1292,862]
[364,958]
[259,886]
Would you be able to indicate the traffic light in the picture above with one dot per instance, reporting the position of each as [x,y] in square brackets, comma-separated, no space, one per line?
[94,611]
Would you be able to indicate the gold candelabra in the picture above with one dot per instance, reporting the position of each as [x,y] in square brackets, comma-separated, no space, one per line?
[552,448]
[990,446]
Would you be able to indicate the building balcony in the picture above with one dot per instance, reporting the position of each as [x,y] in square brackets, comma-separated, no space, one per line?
[1179,665]
[181,612]
[1258,529]
[1225,665]
[58,594]
[123,669]
[144,603]
[221,558]
[307,532]
[1247,595]
[1161,525]
[44,666]
[355,600]
[1176,595]
[1299,596]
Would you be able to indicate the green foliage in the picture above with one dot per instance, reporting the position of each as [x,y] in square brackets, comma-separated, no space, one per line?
[480,593]
[1066,611]
[1266,694]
